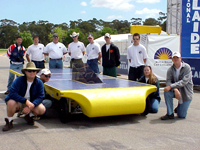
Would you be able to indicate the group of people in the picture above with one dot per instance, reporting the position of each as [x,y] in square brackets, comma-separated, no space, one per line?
[27,95]
[179,83]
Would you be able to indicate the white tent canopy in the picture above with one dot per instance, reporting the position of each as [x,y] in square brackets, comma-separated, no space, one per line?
[154,43]
[120,40]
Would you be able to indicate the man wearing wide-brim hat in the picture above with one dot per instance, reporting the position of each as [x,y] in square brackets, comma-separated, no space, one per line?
[26,94]
[76,50]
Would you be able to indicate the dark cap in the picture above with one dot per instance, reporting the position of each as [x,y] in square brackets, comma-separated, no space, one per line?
[55,35]
[90,36]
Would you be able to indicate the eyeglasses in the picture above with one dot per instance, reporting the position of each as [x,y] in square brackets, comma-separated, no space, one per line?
[31,71]
[47,76]
[74,36]
[135,39]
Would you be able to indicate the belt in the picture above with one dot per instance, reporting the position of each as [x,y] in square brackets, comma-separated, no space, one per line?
[138,66]
[56,59]
[93,59]
[16,63]
[76,59]
[38,61]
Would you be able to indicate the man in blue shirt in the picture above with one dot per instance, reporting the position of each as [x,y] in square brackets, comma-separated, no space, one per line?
[26,95]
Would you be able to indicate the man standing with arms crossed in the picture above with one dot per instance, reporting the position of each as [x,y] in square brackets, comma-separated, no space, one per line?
[16,55]
[55,50]
[110,57]
[36,52]
[76,50]
[179,85]
[137,56]
[93,54]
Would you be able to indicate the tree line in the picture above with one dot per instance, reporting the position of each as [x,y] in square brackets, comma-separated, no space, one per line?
[9,29]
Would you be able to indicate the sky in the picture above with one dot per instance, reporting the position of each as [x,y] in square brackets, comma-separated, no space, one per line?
[64,11]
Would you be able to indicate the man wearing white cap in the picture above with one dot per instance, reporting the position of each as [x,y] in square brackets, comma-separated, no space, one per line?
[93,52]
[179,85]
[76,49]
[110,57]
[45,75]
[55,50]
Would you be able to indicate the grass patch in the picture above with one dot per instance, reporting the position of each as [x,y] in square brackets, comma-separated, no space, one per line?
[3,50]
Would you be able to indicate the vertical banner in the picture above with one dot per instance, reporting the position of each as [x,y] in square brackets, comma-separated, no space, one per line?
[190,31]
[190,36]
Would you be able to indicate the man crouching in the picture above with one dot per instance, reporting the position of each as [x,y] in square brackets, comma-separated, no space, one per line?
[26,94]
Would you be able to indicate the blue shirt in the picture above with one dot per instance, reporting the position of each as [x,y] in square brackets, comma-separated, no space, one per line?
[19,87]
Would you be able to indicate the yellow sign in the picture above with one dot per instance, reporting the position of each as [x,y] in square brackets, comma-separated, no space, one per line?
[145,29]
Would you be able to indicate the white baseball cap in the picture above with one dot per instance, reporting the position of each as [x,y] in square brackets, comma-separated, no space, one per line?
[177,54]
[45,71]
[107,35]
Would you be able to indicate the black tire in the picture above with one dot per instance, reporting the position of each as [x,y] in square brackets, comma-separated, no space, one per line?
[147,107]
[64,114]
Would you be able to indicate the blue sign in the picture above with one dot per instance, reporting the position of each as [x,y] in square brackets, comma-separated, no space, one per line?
[195,69]
[123,68]
[190,31]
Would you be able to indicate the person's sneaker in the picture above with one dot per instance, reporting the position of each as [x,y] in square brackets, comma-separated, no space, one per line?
[36,118]
[167,117]
[29,120]
[6,93]
[8,125]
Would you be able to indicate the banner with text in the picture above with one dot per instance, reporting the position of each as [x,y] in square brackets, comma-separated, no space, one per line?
[160,49]
[195,69]
[190,31]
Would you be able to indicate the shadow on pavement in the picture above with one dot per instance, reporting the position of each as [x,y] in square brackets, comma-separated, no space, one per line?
[80,121]
[77,121]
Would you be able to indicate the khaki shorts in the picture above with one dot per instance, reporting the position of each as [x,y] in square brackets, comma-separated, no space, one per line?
[21,107]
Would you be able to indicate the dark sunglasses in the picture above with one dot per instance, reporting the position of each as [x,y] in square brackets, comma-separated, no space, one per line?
[47,76]
[31,70]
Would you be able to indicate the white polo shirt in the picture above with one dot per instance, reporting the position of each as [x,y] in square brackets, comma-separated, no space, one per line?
[93,50]
[36,52]
[137,54]
[55,50]
[76,49]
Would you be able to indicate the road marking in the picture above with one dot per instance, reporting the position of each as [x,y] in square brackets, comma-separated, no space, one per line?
[2,54]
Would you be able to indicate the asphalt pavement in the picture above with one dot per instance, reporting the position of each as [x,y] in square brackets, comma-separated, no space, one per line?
[129,132]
